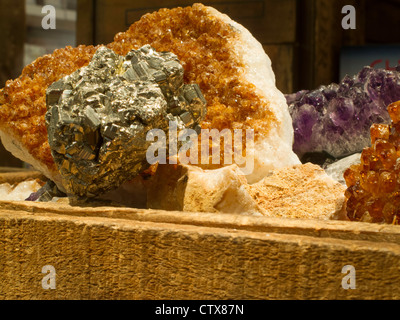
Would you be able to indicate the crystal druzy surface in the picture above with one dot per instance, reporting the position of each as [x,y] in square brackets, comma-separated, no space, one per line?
[373,186]
[205,47]
[98,117]
[22,101]
[336,118]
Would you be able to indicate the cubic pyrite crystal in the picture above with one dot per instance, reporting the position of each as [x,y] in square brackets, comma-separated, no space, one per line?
[335,119]
[98,116]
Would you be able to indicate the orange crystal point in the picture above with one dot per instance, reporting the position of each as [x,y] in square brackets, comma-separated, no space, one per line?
[394,112]
[373,186]
[379,131]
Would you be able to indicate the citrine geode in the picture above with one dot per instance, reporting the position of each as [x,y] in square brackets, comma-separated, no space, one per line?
[98,117]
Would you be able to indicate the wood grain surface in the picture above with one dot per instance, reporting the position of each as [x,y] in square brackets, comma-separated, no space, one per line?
[106,252]
[124,253]
[108,258]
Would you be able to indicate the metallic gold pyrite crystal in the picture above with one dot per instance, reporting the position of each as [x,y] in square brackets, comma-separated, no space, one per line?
[98,117]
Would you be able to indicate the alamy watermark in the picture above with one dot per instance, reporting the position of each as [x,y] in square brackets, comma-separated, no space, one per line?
[188,139]
[349,20]
[349,280]
[49,280]
[49,20]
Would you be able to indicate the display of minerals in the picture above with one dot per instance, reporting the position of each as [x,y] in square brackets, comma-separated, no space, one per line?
[98,117]
[373,185]
[80,116]
[220,55]
[335,119]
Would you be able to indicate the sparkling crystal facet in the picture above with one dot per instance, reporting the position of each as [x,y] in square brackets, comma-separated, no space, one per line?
[373,186]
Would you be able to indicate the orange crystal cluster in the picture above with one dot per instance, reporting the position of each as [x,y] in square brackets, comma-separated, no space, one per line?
[205,47]
[373,186]
[23,100]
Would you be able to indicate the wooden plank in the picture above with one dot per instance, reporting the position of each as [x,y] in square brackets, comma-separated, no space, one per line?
[383,21]
[124,253]
[12,35]
[106,258]
[85,22]
[321,38]
[344,230]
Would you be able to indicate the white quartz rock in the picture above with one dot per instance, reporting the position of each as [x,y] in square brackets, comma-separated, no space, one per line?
[192,189]
[273,150]
[337,169]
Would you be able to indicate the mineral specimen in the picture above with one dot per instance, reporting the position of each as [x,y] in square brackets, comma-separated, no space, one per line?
[19,191]
[233,72]
[336,169]
[302,191]
[192,189]
[336,119]
[228,63]
[23,106]
[98,116]
[373,186]
[46,193]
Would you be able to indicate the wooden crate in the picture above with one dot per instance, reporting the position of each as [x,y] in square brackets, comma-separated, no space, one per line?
[124,253]
[321,36]
[12,33]
[99,20]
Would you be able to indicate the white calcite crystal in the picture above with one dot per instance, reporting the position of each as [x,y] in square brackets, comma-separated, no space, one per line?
[18,192]
[337,169]
[273,150]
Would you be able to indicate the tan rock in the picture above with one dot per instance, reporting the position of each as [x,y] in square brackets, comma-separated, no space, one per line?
[300,191]
[189,188]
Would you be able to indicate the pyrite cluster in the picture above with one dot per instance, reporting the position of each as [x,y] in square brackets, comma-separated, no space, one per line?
[98,117]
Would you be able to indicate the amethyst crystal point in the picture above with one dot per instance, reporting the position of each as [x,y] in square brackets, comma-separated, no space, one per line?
[336,119]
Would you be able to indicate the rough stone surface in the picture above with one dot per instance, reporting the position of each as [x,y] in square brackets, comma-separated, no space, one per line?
[300,191]
[98,117]
[192,189]
[336,118]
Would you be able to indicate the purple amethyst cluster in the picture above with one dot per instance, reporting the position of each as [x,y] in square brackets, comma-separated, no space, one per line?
[336,119]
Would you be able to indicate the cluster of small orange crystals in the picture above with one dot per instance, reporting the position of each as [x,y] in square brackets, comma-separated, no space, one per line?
[373,186]
[23,100]
[205,47]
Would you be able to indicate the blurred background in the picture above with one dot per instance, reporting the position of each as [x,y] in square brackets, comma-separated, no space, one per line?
[304,38]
